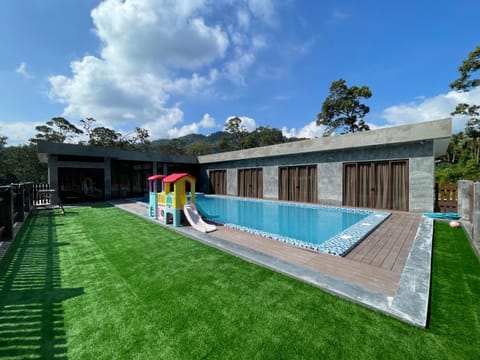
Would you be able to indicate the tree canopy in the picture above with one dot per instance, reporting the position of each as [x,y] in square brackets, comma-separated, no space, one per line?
[3,141]
[239,133]
[343,110]
[469,67]
[21,164]
[58,129]
[462,160]
[467,82]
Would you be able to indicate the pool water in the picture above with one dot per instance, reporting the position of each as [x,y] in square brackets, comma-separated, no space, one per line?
[330,230]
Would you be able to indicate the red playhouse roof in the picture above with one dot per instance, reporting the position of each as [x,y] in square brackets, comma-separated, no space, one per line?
[156,177]
[175,177]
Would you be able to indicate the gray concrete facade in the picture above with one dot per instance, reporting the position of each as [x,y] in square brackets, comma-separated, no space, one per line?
[270,182]
[463,199]
[232,180]
[330,184]
[468,205]
[421,184]
[419,144]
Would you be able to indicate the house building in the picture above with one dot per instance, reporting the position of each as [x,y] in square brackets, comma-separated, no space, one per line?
[388,168]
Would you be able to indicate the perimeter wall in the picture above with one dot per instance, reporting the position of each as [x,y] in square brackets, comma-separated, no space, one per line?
[468,206]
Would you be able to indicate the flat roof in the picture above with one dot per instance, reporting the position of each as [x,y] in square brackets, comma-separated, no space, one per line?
[45,148]
[439,131]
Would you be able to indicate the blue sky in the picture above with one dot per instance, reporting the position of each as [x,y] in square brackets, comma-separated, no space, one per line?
[179,67]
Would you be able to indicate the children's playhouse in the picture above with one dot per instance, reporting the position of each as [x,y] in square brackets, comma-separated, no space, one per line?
[172,195]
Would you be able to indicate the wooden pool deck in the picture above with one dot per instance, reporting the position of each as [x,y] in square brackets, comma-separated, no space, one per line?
[375,264]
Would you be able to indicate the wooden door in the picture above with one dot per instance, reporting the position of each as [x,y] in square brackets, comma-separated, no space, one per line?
[250,182]
[298,183]
[218,182]
[378,185]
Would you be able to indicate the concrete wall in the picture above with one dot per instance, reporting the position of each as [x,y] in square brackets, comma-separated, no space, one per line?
[270,182]
[330,183]
[463,199]
[421,184]
[476,218]
[232,180]
[468,204]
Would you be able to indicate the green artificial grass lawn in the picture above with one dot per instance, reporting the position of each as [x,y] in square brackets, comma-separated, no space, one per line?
[100,283]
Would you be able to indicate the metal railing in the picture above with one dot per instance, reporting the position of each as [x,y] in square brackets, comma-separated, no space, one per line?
[18,199]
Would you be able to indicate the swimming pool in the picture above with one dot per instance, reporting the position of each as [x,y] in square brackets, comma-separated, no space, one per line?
[330,230]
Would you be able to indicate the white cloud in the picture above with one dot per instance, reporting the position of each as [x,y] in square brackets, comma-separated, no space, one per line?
[98,90]
[310,131]
[22,70]
[264,9]
[17,132]
[243,18]
[427,109]
[148,30]
[195,84]
[207,122]
[154,50]
[259,42]
[249,123]
[235,69]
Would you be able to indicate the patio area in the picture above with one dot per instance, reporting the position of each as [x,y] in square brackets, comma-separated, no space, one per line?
[377,273]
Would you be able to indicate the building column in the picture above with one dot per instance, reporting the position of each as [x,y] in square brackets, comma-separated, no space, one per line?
[476,215]
[53,172]
[165,169]
[154,168]
[107,178]
[463,198]
[232,182]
